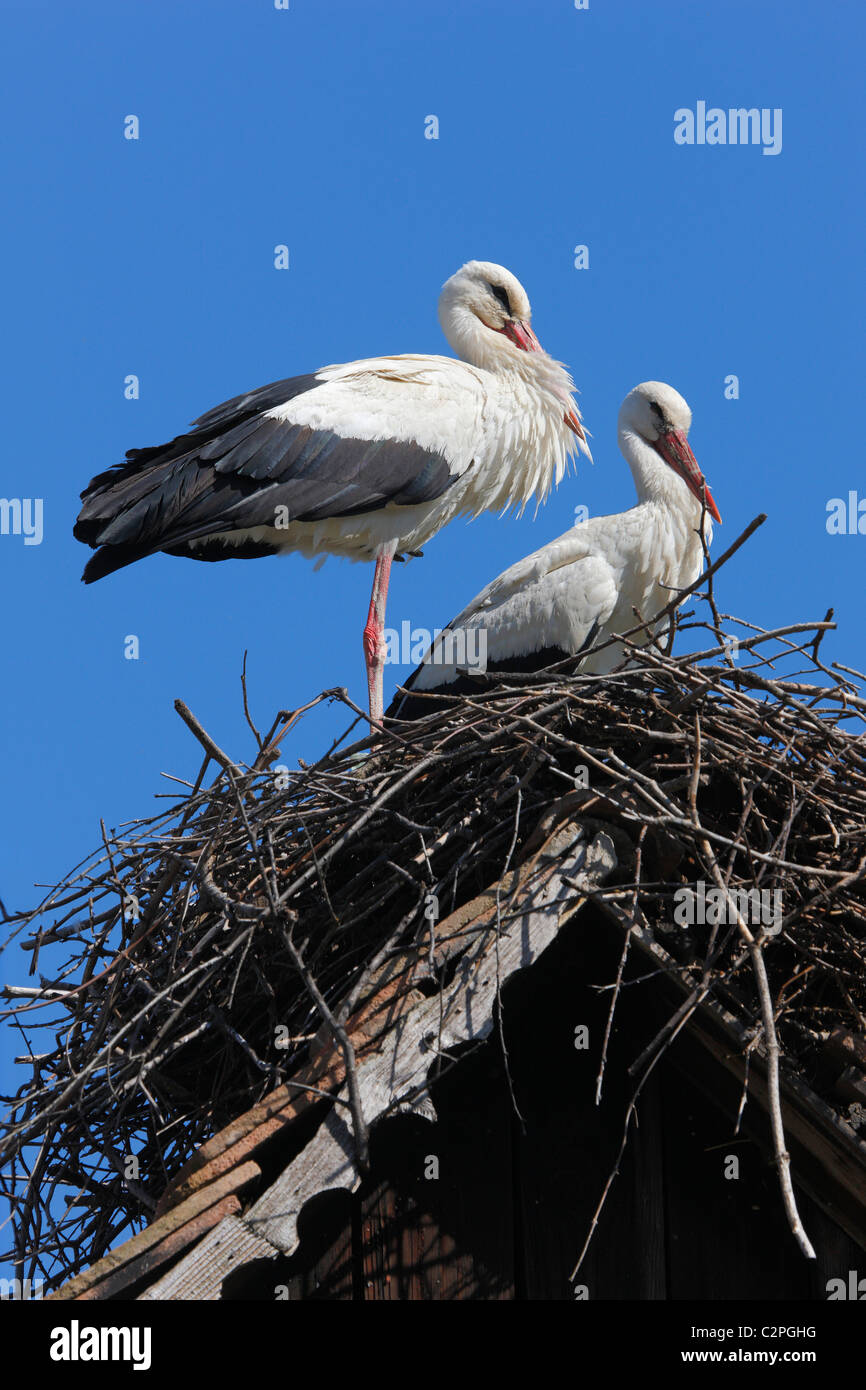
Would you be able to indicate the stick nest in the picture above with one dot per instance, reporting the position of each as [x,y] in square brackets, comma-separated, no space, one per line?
[175,999]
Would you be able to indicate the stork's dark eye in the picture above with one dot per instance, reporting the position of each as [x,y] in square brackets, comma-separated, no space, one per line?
[499,293]
[657,411]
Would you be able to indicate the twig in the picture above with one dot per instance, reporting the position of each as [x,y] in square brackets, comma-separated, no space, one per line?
[212,749]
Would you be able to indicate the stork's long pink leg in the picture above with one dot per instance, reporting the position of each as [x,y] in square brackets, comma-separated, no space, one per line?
[374,632]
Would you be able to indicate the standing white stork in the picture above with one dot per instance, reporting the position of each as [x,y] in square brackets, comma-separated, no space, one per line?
[584,586]
[365,460]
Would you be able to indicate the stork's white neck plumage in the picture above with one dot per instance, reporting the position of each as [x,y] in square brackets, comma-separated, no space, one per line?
[491,351]
[654,480]
[653,428]
[485,314]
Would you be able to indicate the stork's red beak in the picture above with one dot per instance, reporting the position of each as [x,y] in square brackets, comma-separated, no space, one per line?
[521,335]
[677,454]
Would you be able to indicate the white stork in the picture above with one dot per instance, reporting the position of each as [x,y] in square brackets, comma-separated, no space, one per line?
[366,460]
[589,583]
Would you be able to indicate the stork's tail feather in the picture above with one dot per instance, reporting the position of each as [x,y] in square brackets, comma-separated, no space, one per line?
[109,558]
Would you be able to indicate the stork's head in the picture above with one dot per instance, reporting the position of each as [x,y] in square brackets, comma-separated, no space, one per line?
[658,415]
[492,297]
[485,315]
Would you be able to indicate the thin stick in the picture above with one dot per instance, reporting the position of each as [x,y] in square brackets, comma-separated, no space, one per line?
[212,749]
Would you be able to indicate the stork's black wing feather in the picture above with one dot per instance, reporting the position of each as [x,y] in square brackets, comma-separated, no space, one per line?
[412,705]
[207,427]
[232,471]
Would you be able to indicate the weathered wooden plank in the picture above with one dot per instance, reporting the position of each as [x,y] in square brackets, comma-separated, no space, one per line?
[200,1275]
[180,1218]
[128,1275]
[398,1070]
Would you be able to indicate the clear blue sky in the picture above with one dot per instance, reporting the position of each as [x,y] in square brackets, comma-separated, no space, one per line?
[306,127]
